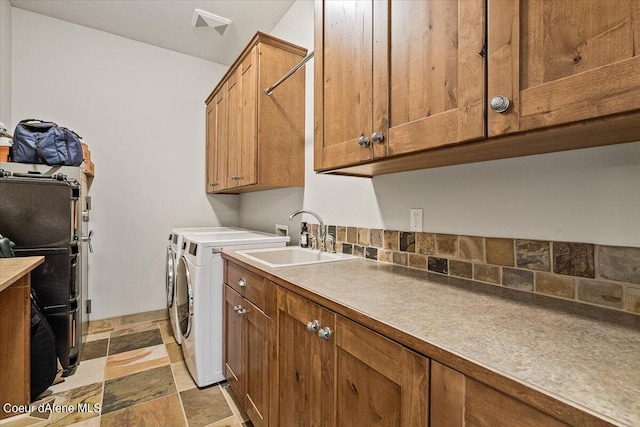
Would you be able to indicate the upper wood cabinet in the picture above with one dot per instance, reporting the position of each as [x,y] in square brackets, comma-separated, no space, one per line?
[400,85]
[256,141]
[572,61]
[396,77]
[217,142]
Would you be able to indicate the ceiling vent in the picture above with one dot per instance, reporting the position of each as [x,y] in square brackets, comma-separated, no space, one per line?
[202,18]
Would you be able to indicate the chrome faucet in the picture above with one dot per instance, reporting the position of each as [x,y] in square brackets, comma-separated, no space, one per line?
[323,230]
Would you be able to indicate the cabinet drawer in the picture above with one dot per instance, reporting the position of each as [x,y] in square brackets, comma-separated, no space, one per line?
[253,287]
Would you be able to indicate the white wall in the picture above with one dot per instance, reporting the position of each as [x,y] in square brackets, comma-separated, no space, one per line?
[141,110]
[586,195]
[5,64]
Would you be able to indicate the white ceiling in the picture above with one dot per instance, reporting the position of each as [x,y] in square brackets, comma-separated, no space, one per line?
[167,23]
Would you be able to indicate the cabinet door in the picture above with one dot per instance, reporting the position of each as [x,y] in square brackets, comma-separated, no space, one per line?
[233,130]
[234,337]
[379,382]
[457,400]
[562,61]
[411,71]
[210,157]
[344,82]
[429,90]
[217,142]
[258,366]
[305,363]
[248,122]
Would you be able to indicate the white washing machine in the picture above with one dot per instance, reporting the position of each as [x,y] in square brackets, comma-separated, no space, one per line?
[174,250]
[200,300]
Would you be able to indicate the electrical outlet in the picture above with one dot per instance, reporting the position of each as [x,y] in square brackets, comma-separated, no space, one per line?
[415,219]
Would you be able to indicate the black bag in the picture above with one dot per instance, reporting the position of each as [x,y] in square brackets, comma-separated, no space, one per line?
[43,351]
[37,141]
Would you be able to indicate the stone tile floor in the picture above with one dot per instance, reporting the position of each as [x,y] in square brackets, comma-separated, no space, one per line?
[132,373]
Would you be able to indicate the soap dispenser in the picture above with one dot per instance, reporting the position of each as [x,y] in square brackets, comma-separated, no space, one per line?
[304,236]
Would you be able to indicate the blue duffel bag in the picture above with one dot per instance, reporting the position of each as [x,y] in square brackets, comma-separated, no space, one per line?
[37,141]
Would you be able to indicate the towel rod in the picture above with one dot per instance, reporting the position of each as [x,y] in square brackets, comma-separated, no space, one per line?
[296,67]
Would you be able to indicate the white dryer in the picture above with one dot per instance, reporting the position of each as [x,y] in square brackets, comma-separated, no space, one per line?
[174,250]
[200,300]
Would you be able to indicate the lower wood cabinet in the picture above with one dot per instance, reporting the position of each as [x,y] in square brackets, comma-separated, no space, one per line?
[15,345]
[247,355]
[458,400]
[293,362]
[333,371]
[306,363]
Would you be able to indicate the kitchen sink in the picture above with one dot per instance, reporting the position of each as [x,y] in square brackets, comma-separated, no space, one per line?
[292,255]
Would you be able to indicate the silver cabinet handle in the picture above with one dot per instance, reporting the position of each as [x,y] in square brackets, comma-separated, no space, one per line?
[236,308]
[363,141]
[324,333]
[242,283]
[241,311]
[88,240]
[313,326]
[377,137]
[499,104]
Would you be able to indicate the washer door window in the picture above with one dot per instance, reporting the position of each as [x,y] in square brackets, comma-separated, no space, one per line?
[171,271]
[184,292]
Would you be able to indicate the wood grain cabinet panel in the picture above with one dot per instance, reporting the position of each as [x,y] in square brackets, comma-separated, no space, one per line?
[234,337]
[573,61]
[247,355]
[411,71]
[378,382]
[436,73]
[234,118]
[415,72]
[356,377]
[344,82]
[255,141]
[15,344]
[217,143]
[258,365]
[458,400]
[306,364]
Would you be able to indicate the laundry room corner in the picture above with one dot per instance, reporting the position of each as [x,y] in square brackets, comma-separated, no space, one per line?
[144,121]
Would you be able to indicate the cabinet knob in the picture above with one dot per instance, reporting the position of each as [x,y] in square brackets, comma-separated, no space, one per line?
[313,326]
[242,283]
[324,333]
[377,137]
[241,311]
[499,104]
[237,307]
[363,141]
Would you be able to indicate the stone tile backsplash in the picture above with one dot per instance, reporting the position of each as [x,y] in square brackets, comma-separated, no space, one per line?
[607,276]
